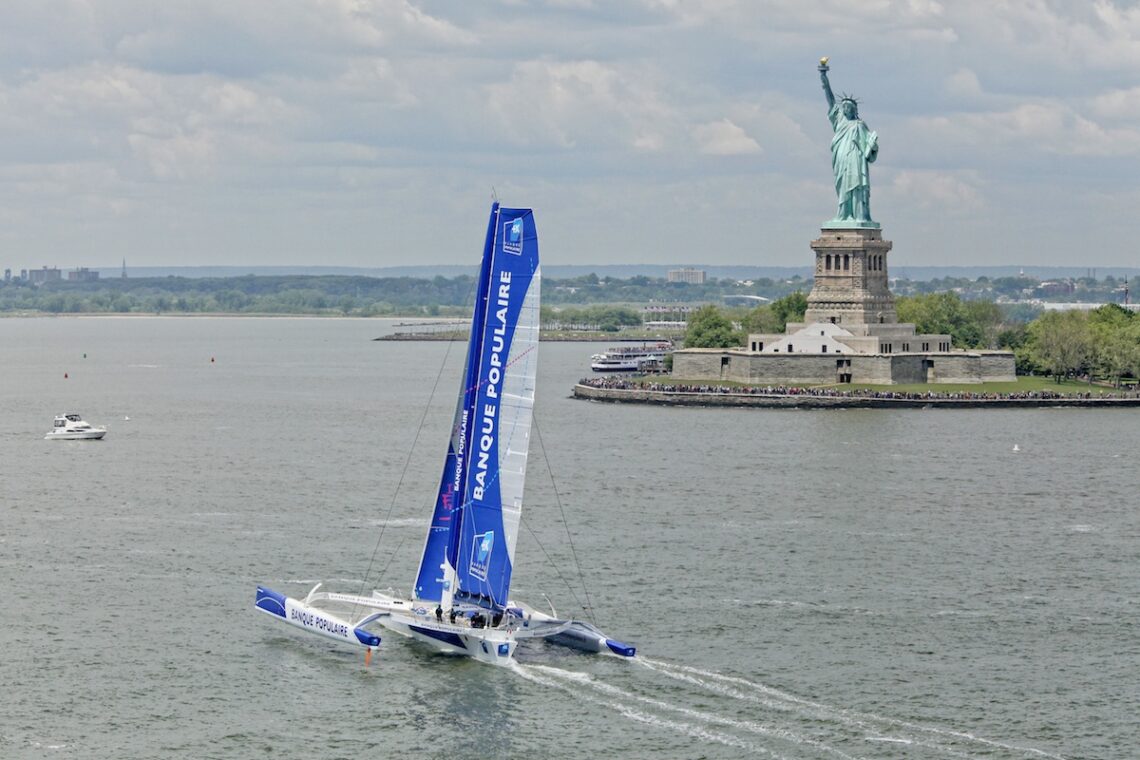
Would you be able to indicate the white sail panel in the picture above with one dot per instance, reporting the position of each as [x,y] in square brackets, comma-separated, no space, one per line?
[517,410]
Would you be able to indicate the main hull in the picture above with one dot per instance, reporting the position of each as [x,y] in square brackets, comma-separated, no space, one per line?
[615,367]
[494,646]
[89,435]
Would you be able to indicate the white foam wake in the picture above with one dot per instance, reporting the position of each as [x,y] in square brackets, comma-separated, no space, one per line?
[691,713]
[876,726]
[688,729]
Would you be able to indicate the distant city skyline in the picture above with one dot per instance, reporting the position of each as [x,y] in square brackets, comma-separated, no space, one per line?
[370,134]
[567,271]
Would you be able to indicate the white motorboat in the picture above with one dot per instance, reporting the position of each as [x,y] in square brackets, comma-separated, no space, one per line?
[71,427]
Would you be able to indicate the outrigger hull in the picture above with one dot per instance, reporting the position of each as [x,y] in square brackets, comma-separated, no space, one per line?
[314,620]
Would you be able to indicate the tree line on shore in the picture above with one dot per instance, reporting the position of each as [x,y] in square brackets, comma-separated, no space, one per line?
[290,294]
[1105,341]
[450,296]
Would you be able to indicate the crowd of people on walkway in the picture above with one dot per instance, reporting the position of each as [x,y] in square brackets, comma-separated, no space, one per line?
[621,383]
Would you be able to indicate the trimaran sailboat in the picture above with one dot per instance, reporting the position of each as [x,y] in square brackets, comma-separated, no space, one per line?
[460,604]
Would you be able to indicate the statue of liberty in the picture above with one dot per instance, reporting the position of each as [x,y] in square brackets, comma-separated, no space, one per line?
[853,149]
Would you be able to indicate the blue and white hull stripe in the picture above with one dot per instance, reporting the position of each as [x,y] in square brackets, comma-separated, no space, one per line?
[312,619]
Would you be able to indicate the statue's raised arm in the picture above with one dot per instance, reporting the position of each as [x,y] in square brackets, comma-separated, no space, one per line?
[823,69]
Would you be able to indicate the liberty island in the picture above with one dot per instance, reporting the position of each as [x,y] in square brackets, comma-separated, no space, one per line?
[850,332]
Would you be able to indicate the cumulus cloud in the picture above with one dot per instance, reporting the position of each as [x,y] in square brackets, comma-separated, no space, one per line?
[949,193]
[576,103]
[275,129]
[1035,129]
[963,83]
[723,138]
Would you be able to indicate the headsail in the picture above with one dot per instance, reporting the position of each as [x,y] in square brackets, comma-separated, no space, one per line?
[478,507]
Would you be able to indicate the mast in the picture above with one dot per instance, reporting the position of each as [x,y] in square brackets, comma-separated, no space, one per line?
[435,580]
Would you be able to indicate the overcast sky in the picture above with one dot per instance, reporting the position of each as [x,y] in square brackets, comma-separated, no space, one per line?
[371,132]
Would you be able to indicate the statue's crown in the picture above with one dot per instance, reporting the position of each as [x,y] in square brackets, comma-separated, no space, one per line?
[849,99]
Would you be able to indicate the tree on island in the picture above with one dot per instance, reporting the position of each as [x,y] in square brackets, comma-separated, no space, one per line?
[1116,333]
[774,317]
[709,328]
[1061,342]
[790,308]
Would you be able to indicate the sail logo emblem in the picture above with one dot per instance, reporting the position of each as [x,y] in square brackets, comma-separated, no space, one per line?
[481,554]
[513,237]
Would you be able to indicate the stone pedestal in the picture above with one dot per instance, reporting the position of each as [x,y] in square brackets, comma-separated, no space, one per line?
[851,278]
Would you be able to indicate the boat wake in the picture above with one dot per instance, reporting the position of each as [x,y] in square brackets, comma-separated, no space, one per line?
[759,719]
[624,703]
[403,522]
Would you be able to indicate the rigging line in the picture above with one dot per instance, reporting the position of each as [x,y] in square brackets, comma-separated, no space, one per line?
[569,539]
[404,472]
[391,556]
[408,459]
[557,570]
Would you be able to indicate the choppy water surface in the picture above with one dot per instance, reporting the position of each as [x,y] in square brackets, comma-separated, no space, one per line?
[830,584]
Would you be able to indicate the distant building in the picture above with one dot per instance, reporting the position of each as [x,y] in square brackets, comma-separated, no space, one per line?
[83,274]
[47,274]
[686,274]
[7,275]
[672,311]
[1056,288]
[1082,306]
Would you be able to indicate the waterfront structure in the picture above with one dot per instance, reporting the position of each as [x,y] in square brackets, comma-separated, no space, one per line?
[850,332]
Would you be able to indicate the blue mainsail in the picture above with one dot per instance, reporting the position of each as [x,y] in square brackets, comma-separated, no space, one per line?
[478,506]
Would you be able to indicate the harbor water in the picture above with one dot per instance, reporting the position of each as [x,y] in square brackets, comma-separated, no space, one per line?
[799,584]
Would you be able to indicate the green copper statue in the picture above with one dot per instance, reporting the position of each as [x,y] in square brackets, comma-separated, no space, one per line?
[853,148]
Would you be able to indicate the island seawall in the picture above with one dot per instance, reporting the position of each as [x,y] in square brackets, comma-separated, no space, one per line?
[807,400]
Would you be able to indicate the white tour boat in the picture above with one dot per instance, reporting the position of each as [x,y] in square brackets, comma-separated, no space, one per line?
[460,604]
[71,427]
[631,358]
